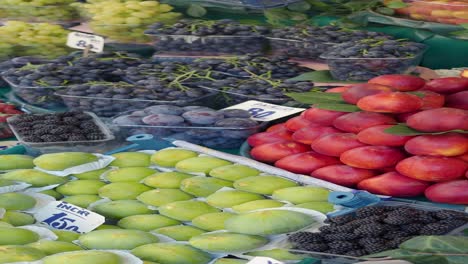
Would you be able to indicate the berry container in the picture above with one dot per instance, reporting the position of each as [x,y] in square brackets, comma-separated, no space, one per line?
[363,69]
[93,146]
[109,107]
[446,12]
[37,96]
[298,48]
[208,136]
[215,45]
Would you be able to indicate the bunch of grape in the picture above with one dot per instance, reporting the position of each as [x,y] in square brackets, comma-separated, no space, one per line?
[368,58]
[195,37]
[25,39]
[125,21]
[311,41]
[38,10]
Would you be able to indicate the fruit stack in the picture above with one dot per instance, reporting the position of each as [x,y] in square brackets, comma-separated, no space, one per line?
[155,196]
[442,11]
[425,154]
[6,110]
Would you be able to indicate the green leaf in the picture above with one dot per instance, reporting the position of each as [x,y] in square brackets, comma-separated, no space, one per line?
[196,10]
[299,6]
[338,107]
[318,76]
[386,11]
[404,130]
[437,244]
[396,4]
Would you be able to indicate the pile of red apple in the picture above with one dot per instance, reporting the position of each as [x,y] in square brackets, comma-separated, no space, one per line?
[354,149]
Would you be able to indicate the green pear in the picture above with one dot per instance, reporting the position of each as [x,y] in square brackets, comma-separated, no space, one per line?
[131,159]
[64,160]
[170,157]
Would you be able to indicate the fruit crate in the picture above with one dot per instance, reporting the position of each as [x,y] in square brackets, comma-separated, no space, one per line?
[446,12]
[113,105]
[298,49]
[93,146]
[363,69]
[37,96]
[215,45]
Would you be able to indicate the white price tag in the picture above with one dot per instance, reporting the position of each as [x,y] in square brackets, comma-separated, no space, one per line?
[65,216]
[78,40]
[264,260]
[266,112]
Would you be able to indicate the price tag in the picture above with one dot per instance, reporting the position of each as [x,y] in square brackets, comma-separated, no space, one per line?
[65,216]
[266,112]
[264,260]
[78,40]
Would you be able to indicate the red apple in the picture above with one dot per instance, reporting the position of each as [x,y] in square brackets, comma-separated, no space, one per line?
[343,174]
[297,123]
[395,103]
[431,100]
[452,192]
[447,85]
[431,168]
[448,145]
[463,157]
[372,157]
[439,120]
[358,121]
[308,135]
[458,100]
[305,163]
[402,118]
[393,184]
[335,144]
[272,152]
[277,127]
[400,82]
[321,116]
[269,137]
[378,137]
[358,91]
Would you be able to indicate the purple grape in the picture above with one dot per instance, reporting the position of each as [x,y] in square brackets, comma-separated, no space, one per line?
[236,113]
[203,133]
[236,123]
[164,109]
[196,107]
[202,117]
[127,120]
[163,120]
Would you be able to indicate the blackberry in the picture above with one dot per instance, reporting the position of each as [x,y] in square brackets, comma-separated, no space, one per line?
[26,118]
[453,223]
[59,130]
[396,234]
[76,137]
[412,228]
[371,229]
[326,229]
[343,245]
[397,220]
[312,247]
[376,248]
[425,218]
[434,229]
[32,139]
[342,219]
[335,251]
[371,240]
[448,214]
[340,237]
[369,211]
[40,132]
[89,125]
[69,120]
[94,136]
[369,219]
[306,237]
[50,138]
[395,243]
[82,116]
[356,253]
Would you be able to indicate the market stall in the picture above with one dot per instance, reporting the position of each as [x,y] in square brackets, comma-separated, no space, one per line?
[228,132]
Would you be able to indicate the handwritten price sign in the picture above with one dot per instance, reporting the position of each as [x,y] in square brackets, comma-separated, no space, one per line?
[261,111]
[65,216]
[79,40]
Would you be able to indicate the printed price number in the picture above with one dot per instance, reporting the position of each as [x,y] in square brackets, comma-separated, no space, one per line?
[264,112]
[84,41]
[264,260]
[257,112]
[61,221]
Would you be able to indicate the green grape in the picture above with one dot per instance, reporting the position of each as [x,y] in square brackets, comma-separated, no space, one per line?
[38,10]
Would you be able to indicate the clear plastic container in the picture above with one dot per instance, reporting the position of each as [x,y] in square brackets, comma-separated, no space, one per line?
[109,107]
[37,96]
[216,45]
[94,146]
[363,69]
[298,49]
[212,137]
[446,12]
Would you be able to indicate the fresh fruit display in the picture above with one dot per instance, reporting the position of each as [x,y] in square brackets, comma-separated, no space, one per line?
[368,58]
[36,84]
[364,146]
[7,110]
[38,11]
[125,21]
[196,124]
[375,229]
[213,37]
[309,42]
[35,39]
[445,11]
